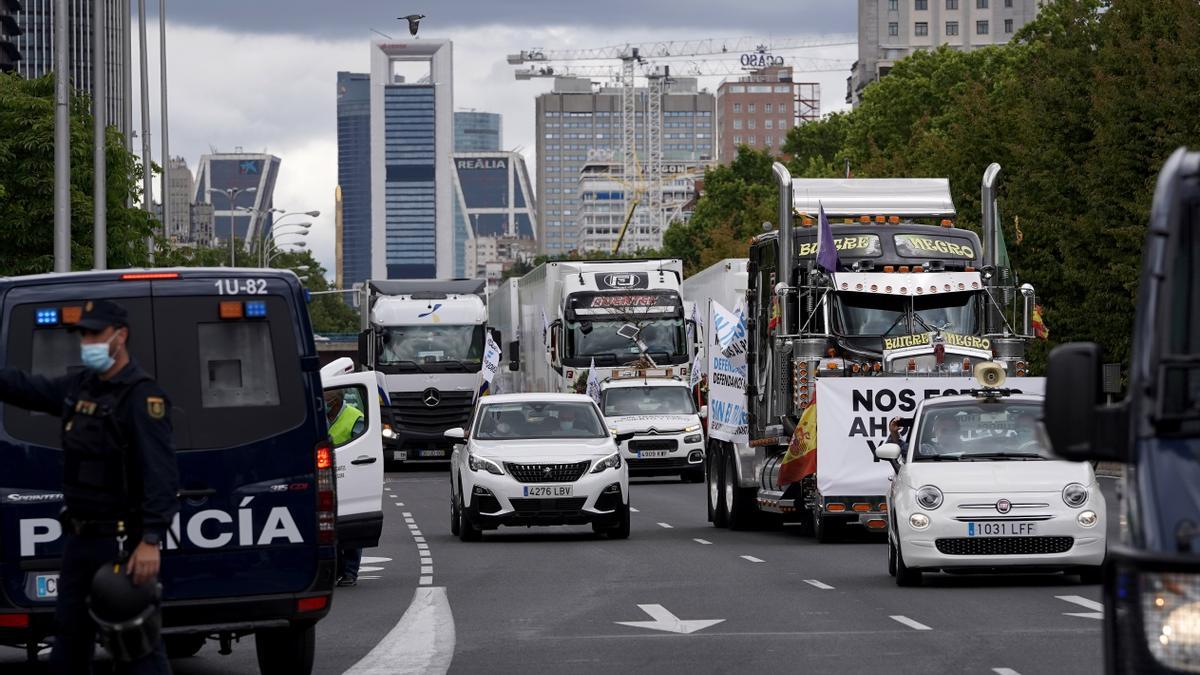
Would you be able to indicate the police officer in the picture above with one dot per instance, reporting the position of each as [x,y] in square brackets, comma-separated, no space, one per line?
[119,474]
[346,422]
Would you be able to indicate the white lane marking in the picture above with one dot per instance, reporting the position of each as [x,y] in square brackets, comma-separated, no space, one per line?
[665,525]
[633,510]
[424,554]
[412,526]
[752,559]
[406,514]
[427,580]
[399,504]
[418,539]
[370,568]
[664,620]
[421,642]
[703,541]
[415,533]
[368,576]
[372,560]
[1096,607]
[915,625]
[426,569]
[422,547]
[1005,671]
[818,584]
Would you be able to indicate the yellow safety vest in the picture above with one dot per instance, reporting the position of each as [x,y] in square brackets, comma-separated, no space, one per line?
[342,429]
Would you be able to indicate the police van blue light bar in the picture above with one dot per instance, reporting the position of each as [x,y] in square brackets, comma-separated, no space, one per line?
[256,309]
[46,316]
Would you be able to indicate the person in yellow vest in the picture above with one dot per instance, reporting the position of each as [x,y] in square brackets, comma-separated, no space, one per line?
[346,422]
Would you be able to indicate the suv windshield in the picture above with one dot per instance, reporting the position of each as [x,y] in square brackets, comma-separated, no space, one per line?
[648,401]
[431,344]
[538,419]
[981,430]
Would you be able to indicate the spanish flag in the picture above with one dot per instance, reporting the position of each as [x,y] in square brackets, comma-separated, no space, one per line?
[1039,325]
[801,457]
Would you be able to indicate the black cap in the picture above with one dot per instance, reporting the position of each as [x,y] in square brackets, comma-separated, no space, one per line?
[100,314]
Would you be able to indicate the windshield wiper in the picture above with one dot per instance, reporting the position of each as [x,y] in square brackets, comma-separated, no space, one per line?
[402,363]
[937,458]
[1005,455]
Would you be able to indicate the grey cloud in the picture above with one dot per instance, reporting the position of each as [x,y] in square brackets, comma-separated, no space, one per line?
[716,18]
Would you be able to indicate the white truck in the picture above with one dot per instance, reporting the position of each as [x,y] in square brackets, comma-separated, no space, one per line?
[662,414]
[619,314]
[427,338]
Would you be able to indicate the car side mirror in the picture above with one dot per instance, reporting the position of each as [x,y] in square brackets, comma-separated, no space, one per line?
[1079,426]
[624,437]
[703,412]
[890,453]
[456,432]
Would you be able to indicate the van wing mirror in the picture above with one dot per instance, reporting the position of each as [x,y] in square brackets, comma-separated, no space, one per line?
[514,355]
[456,432]
[1079,426]
[624,437]
[364,348]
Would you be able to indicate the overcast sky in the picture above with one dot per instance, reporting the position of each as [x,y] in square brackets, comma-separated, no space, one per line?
[261,75]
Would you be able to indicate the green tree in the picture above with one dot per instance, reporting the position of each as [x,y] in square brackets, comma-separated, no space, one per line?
[27,184]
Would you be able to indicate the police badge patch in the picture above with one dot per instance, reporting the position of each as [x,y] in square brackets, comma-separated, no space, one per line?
[156,407]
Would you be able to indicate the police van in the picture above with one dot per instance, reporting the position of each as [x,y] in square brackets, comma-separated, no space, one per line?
[252,550]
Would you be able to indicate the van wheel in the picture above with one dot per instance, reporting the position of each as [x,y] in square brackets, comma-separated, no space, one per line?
[466,529]
[286,651]
[905,575]
[454,513]
[739,501]
[183,646]
[715,476]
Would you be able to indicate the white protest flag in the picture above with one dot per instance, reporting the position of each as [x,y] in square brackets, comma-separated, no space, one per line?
[695,325]
[726,349]
[593,382]
[491,364]
[698,369]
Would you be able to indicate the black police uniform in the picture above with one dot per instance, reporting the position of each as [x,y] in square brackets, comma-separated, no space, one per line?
[119,469]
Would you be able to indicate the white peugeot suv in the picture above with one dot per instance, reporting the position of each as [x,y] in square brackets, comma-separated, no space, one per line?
[977,490]
[537,459]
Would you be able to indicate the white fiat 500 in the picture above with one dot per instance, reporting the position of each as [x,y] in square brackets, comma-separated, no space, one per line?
[976,490]
[537,459]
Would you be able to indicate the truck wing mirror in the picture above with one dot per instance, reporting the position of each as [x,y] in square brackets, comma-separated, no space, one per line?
[703,412]
[364,348]
[497,337]
[514,355]
[1080,428]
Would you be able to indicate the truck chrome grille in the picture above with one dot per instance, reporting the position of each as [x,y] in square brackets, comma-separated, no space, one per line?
[546,473]
[1004,545]
[411,415]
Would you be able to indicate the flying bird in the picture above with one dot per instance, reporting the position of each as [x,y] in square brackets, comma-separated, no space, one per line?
[414,21]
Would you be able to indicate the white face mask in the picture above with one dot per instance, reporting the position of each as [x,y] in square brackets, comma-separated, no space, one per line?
[96,356]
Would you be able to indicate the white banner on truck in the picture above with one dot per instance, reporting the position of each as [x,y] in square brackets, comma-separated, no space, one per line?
[726,349]
[852,419]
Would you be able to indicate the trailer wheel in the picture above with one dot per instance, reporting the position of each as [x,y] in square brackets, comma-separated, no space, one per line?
[825,528]
[739,501]
[714,476]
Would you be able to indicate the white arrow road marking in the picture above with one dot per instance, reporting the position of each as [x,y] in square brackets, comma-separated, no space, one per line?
[818,584]
[664,620]
[421,642]
[1005,671]
[370,568]
[665,525]
[371,560]
[633,510]
[702,541]
[1096,607]
[915,625]
[752,559]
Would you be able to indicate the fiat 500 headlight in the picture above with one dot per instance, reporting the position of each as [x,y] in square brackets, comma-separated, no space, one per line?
[929,497]
[1075,495]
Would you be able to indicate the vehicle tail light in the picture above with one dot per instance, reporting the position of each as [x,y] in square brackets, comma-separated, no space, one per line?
[312,604]
[861,507]
[326,497]
[148,276]
[835,507]
[882,507]
[876,524]
[14,621]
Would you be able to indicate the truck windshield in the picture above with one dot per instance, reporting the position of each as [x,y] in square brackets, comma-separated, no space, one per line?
[428,344]
[866,315]
[984,430]
[648,401]
[663,337]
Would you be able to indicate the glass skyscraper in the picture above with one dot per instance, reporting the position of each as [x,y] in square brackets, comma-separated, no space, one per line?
[477,131]
[354,174]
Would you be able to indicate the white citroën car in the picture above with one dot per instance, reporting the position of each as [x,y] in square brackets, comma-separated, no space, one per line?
[977,490]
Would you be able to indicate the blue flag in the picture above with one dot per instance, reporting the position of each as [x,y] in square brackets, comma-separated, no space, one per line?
[827,257]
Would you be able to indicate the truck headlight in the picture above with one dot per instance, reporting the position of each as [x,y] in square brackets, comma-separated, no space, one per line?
[1171,618]
[613,461]
[388,433]
[694,438]
[1075,495]
[478,463]
[929,497]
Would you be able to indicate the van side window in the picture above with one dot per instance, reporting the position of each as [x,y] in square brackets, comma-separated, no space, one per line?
[346,412]
[55,353]
[237,365]
[1181,379]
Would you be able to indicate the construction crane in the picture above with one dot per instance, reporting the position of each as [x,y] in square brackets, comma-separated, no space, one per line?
[752,53]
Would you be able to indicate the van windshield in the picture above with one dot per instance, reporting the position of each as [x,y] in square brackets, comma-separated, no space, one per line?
[621,401]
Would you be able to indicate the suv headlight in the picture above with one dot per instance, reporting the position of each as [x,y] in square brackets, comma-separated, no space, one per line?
[1171,618]
[613,461]
[1075,495]
[929,497]
[478,463]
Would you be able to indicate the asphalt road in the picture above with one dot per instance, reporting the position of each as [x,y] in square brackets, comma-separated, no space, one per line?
[526,599]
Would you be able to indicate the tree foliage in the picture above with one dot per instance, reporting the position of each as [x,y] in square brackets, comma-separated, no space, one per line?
[1080,109]
[27,184]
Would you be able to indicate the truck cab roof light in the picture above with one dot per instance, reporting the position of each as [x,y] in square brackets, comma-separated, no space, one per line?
[230,309]
[879,219]
[148,276]
[918,268]
[889,268]
[864,219]
[946,222]
[894,219]
[904,269]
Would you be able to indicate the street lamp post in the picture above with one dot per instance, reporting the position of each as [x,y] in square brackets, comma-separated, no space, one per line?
[280,251]
[274,229]
[231,194]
